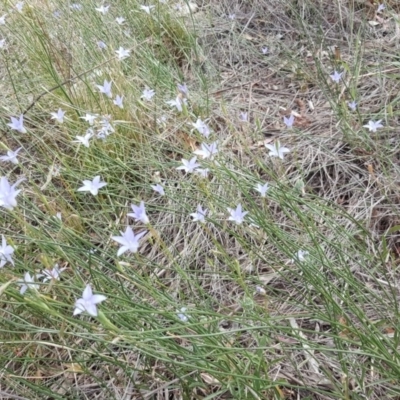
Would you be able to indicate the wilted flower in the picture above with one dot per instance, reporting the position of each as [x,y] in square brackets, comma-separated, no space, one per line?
[183,89]
[88,302]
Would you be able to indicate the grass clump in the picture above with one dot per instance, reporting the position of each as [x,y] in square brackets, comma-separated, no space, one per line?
[245,243]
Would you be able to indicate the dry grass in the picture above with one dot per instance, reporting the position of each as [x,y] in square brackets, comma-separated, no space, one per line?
[325,328]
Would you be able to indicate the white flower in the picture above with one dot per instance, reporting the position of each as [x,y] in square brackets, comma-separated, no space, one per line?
[58,116]
[265,50]
[158,188]
[106,88]
[207,150]
[92,186]
[8,193]
[128,240]
[101,45]
[84,139]
[147,9]
[237,215]
[103,9]
[300,255]
[189,166]
[262,189]
[120,20]
[118,101]
[122,53]
[203,172]
[52,274]
[2,43]
[18,124]
[381,7]
[178,102]
[19,6]
[336,76]
[28,283]
[276,150]
[202,127]
[11,156]
[88,302]
[182,316]
[289,121]
[6,252]
[90,118]
[243,116]
[147,94]
[372,126]
[199,215]
[3,19]
[139,213]
[352,105]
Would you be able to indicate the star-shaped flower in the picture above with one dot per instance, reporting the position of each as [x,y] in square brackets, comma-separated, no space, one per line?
[352,105]
[122,53]
[207,150]
[120,20]
[106,88]
[28,283]
[265,50]
[147,9]
[8,193]
[18,124]
[52,274]
[372,126]
[199,215]
[84,139]
[336,76]
[58,116]
[11,156]
[237,215]
[118,101]
[147,94]
[90,117]
[301,255]
[88,302]
[262,189]
[189,166]
[6,252]
[276,150]
[92,186]
[128,240]
[159,189]
[243,116]
[203,172]
[289,121]
[178,102]
[202,127]
[381,7]
[103,9]
[139,213]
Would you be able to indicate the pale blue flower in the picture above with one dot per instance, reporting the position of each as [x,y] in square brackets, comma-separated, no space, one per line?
[58,116]
[52,274]
[352,105]
[128,240]
[88,302]
[336,76]
[118,101]
[158,188]
[177,103]
[92,186]
[91,117]
[276,150]
[182,316]
[262,189]
[106,88]
[8,193]
[139,213]
[28,283]
[18,124]
[147,94]
[289,121]
[189,166]
[237,215]
[202,127]
[183,89]
[11,156]
[6,252]
[199,215]
[372,126]
[207,150]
